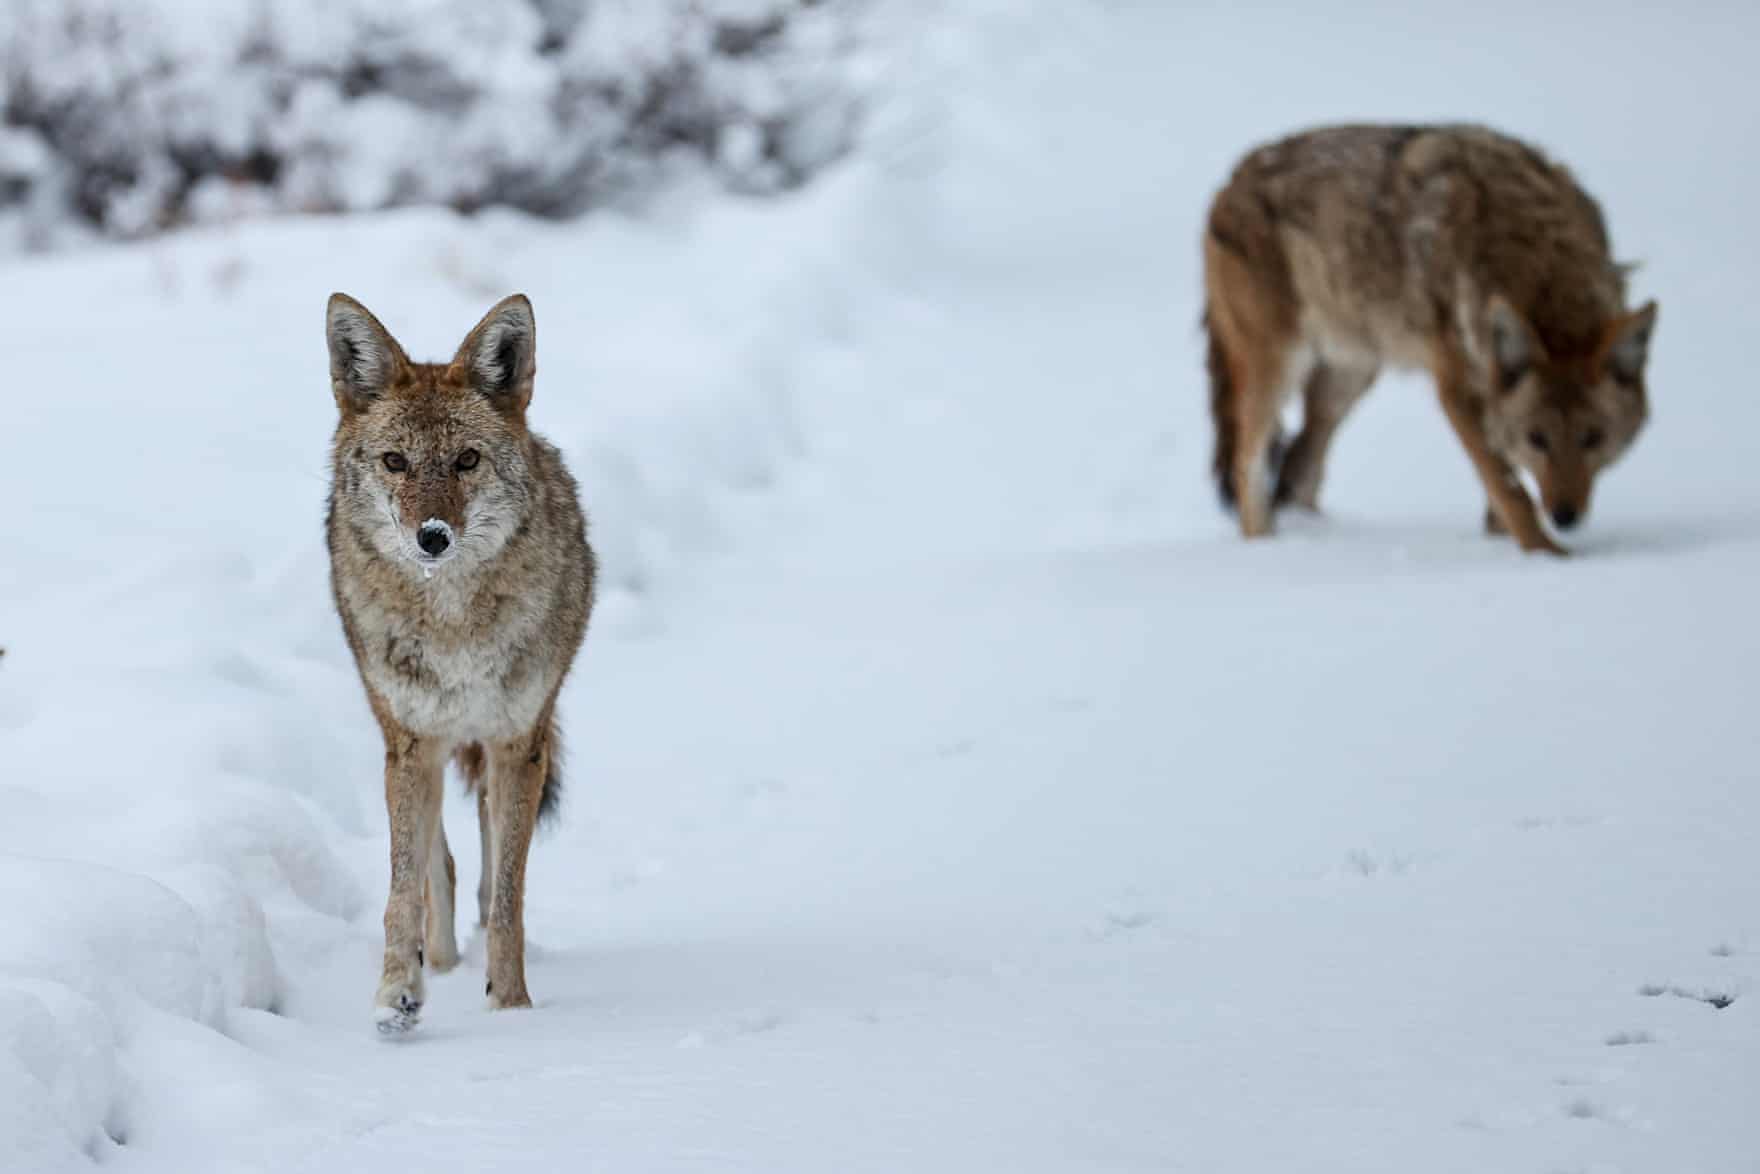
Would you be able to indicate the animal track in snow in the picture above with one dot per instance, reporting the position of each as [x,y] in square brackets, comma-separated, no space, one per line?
[757,790]
[1627,1039]
[1710,996]
[1360,862]
[1122,923]
[1583,1109]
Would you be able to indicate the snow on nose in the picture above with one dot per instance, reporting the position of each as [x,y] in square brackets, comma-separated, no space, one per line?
[434,537]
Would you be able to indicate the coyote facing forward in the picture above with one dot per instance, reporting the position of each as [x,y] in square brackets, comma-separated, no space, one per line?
[461,570]
[1334,253]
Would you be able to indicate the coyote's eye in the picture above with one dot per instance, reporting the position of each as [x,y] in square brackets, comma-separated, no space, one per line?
[1593,438]
[468,459]
[396,462]
[1538,440]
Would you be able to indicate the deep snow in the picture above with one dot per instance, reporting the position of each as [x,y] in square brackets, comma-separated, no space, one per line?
[950,789]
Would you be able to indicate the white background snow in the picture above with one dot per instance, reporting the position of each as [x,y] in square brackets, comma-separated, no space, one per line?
[950,788]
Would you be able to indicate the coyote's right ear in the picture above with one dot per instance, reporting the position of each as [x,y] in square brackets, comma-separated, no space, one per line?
[364,358]
[1513,345]
[498,356]
[1628,343]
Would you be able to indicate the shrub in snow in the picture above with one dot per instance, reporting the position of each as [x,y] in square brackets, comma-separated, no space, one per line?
[122,117]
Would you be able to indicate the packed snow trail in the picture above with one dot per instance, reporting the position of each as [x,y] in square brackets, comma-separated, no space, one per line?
[949,788]
[993,866]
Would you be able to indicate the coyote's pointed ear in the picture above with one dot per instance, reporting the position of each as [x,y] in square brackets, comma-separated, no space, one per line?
[499,356]
[1513,345]
[364,358]
[1628,343]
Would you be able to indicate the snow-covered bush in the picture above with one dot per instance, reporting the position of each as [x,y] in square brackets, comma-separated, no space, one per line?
[122,117]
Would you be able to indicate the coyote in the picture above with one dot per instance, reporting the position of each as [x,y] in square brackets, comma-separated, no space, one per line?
[1333,253]
[460,567]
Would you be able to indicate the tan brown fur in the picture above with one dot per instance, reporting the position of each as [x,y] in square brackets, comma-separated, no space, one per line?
[462,649]
[1338,252]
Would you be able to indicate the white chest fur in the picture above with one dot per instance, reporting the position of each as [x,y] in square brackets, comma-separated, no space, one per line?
[490,687]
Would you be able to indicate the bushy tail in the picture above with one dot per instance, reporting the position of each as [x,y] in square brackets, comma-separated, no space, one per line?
[473,764]
[550,802]
[1222,391]
[1221,413]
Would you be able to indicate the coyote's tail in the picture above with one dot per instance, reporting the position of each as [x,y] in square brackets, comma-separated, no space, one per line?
[1221,413]
[473,764]
[550,802]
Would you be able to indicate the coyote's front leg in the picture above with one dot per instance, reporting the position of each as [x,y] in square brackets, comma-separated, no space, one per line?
[412,800]
[1509,501]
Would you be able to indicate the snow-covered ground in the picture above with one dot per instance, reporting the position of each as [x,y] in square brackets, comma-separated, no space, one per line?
[950,789]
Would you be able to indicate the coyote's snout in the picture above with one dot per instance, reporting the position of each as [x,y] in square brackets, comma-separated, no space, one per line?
[462,574]
[1338,252]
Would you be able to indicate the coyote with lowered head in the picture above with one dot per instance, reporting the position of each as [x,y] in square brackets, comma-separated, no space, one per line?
[460,568]
[1336,252]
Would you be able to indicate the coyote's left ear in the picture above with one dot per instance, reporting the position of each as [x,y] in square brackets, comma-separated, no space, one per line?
[1513,345]
[1628,343]
[499,356]
[364,359]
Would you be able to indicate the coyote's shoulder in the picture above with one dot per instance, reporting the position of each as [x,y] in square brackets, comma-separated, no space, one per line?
[1334,253]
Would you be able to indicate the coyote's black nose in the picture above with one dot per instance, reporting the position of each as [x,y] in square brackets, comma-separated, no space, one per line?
[1565,515]
[434,538]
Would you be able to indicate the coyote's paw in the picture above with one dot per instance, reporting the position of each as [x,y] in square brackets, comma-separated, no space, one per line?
[398,1006]
[1544,545]
[399,1019]
[509,999]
